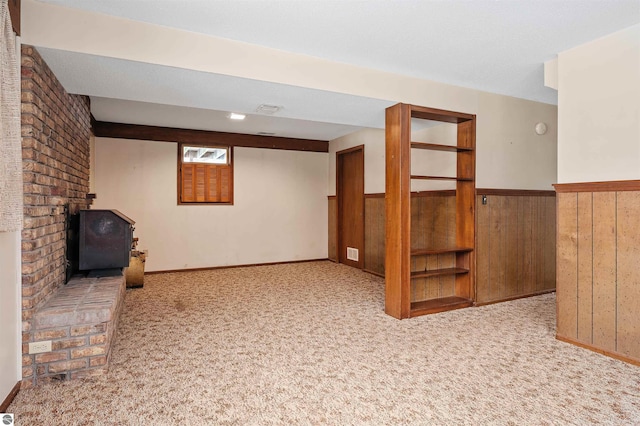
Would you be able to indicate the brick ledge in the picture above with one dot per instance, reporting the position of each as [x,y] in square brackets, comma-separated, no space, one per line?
[80,319]
[81,301]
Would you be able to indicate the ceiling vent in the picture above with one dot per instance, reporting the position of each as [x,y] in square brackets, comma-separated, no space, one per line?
[268,109]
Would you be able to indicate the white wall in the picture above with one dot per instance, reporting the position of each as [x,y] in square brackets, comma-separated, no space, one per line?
[509,154]
[10,304]
[373,141]
[599,109]
[279,212]
[52,26]
[10,318]
[433,163]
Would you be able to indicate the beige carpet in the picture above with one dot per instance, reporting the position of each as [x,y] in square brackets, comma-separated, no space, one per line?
[309,344]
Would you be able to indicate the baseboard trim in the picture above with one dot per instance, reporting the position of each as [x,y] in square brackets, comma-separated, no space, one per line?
[611,354]
[520,296]
[378,274]
[9,399]
[211,268]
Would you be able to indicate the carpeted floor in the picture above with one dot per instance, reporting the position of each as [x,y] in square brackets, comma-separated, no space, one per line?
[309,344]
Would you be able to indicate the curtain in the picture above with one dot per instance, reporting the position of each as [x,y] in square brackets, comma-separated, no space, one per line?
[10,140]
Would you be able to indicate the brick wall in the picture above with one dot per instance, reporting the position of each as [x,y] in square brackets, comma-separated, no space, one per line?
[56,128]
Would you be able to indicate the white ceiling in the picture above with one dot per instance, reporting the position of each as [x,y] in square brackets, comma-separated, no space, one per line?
[495,46]
[140,93]
[149,114]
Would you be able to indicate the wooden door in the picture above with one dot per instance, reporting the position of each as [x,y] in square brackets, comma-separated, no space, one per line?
[350,194]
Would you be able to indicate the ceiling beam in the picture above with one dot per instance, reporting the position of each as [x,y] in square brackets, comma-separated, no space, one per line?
[204,137]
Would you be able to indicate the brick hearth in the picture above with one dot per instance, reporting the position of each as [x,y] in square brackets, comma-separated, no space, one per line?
[80,319]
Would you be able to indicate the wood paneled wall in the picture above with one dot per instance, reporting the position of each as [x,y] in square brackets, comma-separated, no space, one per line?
[374,220]
[433,219]
[598,277]
[515,244]
[515,241]
[433,225]
[333,228]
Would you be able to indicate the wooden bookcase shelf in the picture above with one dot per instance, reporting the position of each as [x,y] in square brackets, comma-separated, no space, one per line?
[456,264]
[438,272]
[441,178]
[426,252]
[443,304]
[438,147]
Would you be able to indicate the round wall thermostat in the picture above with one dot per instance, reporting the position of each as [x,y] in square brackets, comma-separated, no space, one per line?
[541,128]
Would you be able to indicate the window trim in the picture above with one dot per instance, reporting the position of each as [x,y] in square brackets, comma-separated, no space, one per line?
[179,179]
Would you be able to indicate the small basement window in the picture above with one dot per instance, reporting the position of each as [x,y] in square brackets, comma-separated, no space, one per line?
[205,174]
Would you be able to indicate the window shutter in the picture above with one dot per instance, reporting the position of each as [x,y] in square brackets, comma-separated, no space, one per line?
[188,184]
[213,194]
[200,175]
[218,184]
[225,184]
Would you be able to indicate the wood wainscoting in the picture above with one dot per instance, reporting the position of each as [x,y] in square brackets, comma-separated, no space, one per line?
[374,234]
[433,216]
[515,240]
[515,244]
[333,228]
[598,276]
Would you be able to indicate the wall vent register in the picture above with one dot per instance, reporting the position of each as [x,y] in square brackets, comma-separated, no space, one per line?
[352,254]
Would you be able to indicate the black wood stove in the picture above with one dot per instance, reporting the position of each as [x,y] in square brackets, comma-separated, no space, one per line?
[105,241]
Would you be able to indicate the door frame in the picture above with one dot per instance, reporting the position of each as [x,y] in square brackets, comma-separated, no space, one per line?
[339,155]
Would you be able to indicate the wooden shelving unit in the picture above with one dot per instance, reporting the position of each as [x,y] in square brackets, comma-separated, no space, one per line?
[439,305]
[399,277]
[436,272]
[438,147]
[440,178]
[419,252]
